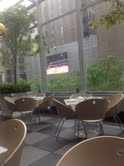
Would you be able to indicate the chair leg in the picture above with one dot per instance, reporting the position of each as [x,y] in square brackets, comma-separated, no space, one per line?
[101,128]
[51,110]
[59,129]
[31,117]
[75,125]
[58,126]
[118,121]
[85,129]
[52,113]
[78,127]
[37,116]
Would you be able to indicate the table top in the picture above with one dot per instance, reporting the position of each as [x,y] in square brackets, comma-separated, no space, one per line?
[38,97]
[78,100]
[72,101]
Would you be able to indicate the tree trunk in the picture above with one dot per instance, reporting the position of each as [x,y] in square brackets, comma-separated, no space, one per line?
[15,74]
[15,60]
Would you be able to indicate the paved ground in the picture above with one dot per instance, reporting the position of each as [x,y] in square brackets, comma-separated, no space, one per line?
[41,147]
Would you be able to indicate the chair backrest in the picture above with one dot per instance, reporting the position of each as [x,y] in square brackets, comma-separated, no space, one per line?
[91,109]
[98,151]
[47,102]
[9,103]
[62,110]
[113,104]
[12,135]
[25,104]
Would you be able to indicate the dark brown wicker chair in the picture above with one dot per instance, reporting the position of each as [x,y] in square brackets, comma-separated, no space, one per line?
[114,101]
[25,105]
[9,108]
[91,111]
[12,135]
[98,151]
[44,108]
[10,103]
[64,113]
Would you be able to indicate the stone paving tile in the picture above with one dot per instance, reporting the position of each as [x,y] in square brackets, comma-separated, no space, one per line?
[65,148]
[121,134]
[49,160]
[45,150]
[50,130]
[68,123]
[35,137]
[45,118]
[52,121]
[111,130]
[37,126]
[68,134]
[31,154]
[50,144]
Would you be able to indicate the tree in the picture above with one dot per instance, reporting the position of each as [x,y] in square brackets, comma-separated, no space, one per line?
[115,15]
[45,44]
[18,36]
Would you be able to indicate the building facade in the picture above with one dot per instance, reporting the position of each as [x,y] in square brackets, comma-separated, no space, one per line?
[59,26]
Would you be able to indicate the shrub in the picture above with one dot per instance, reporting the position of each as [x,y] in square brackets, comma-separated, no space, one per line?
[35,84]
[64,82]
[10,88]
[105,74]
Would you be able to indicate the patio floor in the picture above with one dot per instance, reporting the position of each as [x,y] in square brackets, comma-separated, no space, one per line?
[41,147]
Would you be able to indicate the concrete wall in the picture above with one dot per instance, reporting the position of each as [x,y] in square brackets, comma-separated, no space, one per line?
[90,53]
[111,42]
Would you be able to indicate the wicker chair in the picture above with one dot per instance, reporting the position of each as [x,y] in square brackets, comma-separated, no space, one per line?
[44,108]
[9,108]
[92,112]
[99,151]
[13,133]
[114,101]
[25,105]
[64,113]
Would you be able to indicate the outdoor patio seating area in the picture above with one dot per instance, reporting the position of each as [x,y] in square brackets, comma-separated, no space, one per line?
[61,82]
[50,133]
[41,147]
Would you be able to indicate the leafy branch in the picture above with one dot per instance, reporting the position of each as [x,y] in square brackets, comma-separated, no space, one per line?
[115,15]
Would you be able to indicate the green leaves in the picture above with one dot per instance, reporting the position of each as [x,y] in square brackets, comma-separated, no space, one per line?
[113,17]
[64,82]
[11,88]
[105,74]
[18,39]
[35,84]
[45,43]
